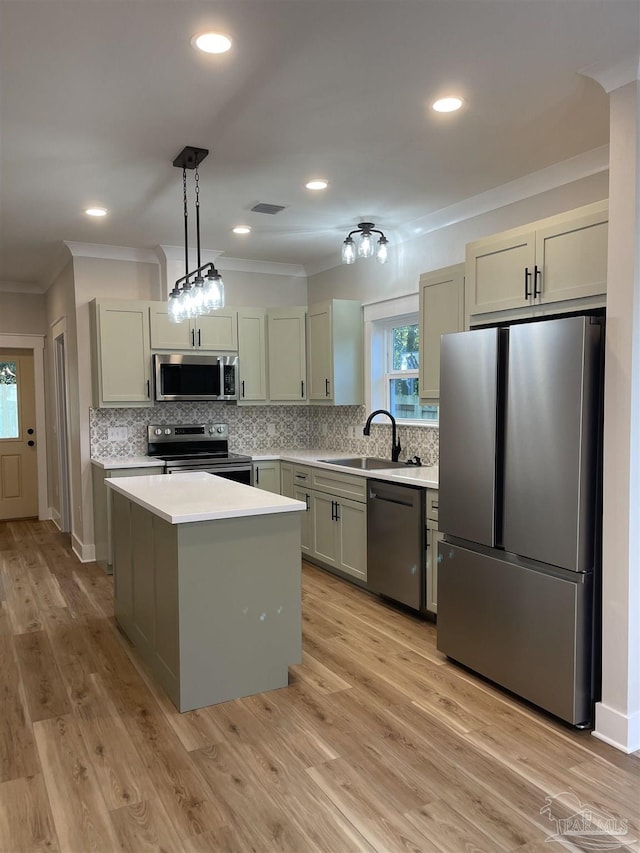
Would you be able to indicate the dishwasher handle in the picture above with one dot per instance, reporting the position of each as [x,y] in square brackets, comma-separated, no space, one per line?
[392,500]
[401,495]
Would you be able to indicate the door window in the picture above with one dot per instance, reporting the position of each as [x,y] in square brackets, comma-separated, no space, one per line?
[9,422]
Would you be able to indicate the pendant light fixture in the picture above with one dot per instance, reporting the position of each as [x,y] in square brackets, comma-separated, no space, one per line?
[365,247]
[194,294]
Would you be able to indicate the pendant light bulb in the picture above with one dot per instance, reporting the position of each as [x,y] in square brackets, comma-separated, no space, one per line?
[365,249]
[348,251]
[213,291]
[175,306]
[382,252]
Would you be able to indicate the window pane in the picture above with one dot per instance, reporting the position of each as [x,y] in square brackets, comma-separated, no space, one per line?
[8,400]
[406,340]
[405,402]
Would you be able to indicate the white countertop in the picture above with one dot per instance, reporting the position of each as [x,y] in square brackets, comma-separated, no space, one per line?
[110,463]
[425,476]
[196,496]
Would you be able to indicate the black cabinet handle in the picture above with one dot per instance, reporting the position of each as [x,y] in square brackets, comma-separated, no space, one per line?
[242,387]
[148,388]
[326,387]
[337,513]
[333,510]
[199,337]
[193,337]
[306,500]
[527,289]
[537,279]
[257,476]
[302,388]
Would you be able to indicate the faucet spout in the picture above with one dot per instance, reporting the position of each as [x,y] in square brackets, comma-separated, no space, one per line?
[395,442]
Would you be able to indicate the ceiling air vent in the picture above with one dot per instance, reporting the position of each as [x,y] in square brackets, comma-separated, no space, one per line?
[267,208]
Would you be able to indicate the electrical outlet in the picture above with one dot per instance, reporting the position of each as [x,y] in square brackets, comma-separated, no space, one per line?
[117,433]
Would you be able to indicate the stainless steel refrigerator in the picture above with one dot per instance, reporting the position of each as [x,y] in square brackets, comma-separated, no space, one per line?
[520,507]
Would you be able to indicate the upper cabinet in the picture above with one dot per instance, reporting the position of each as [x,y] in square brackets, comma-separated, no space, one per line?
[121,354]
[554,260]
[252,355]
[335,352]
[287,364]
[212,332]
[441,311]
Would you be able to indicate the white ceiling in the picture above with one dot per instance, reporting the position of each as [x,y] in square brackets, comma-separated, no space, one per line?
[97,97]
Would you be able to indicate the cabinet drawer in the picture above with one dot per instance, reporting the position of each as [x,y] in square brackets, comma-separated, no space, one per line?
[343,485]
[301,476]
[432,504]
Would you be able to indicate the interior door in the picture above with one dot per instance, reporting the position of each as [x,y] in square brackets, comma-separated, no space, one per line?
[18,459]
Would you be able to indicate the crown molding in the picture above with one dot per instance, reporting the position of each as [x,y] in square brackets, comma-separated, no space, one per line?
[111,253]
[612,76]
[176,253]
[20,287]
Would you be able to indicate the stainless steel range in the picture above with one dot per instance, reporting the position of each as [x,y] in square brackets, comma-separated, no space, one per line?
[197,447]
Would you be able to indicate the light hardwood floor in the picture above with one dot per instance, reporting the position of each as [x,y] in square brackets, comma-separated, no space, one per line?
[378,744]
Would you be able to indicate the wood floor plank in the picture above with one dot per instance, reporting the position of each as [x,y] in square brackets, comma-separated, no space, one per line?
[21,602]
[145,827]
[17,748]
[448,830]
[26,823]
[46,693]
[79,811]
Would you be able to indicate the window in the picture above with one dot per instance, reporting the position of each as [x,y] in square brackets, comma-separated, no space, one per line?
[8,399]
[395,354]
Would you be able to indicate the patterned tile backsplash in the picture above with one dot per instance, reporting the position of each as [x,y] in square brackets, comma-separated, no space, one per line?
[255,429]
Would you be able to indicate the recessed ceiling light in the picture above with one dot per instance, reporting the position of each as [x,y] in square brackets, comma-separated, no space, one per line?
[447,105]
[241,229]
[212,42]
[317,184]
[96,211]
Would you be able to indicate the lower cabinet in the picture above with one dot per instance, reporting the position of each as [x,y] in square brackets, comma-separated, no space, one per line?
[339,533]
[433,537]
[266,476]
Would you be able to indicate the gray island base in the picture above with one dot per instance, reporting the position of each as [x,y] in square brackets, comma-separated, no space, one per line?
[214,606]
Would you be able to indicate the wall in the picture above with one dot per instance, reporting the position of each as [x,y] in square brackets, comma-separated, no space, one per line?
[23,313]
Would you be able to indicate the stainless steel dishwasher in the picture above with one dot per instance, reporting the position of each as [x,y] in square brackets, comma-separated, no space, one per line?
[396,542]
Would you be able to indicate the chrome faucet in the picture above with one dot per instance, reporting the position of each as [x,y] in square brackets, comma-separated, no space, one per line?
[395,443]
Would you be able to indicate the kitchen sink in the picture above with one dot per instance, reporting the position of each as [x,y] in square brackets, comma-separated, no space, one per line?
[366,463]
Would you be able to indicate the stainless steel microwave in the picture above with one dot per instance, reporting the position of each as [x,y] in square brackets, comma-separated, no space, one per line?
[195,377]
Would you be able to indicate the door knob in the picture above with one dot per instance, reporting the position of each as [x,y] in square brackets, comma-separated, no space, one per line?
[30,431]
[31,443]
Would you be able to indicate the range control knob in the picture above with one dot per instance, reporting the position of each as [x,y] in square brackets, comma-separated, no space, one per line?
[157,431]
[211,430]
[167,431]
[220,429]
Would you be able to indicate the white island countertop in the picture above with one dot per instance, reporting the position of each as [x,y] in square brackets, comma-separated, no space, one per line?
[196,496]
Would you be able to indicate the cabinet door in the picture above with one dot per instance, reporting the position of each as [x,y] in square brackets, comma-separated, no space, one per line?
[286,479]
[441,312]
[571,258]
[499,272]
[287,358]
[433,537]
[122,354]
[320,352]
[167,335]
[266,476]
[352,538]
[217,331]
[252,355]
[306,519]
[324,528]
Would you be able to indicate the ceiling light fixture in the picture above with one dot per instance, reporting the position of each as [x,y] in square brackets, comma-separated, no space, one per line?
[194,294]
[241,229]
[447,105]
[317,184]
[365,247]
[212,42]
[96,211]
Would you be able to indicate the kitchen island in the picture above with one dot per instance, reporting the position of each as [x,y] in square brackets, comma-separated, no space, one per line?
[207,583]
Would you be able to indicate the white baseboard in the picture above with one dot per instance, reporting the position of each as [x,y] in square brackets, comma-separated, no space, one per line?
[54,515]
[617,729]
[85,553]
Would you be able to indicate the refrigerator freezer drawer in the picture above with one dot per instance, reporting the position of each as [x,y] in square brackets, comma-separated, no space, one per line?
[528,631]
